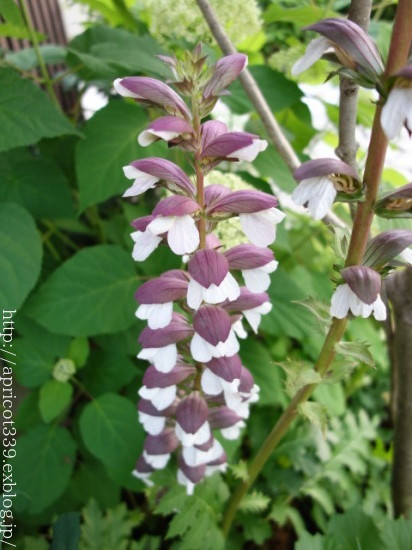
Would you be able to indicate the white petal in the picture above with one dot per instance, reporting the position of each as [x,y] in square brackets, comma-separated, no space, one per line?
[198,438]
[194,457]
[164,359]
[147,137]
[250,152]
[143,476]
[395,110]
[358,307]
[260,227]
[340,301]
[211,384]
[256,280]
[183,480]
[156,461]
[379,309]
[228,289]
[145,244]
[231,344]
[314,51]
[236,403]
[239,329]
[210,470]
[319,193]
[161,224]
[183,236]
[157,315]
[160,398]
[254,315]
[152,424]
[200,349]
[406,255]
[194,294]
[233,432]
[142,181]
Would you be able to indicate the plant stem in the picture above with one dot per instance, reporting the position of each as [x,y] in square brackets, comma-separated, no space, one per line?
[200,193]
[398,55]
[42,65]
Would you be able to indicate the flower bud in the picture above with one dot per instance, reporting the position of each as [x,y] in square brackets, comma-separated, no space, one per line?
[225,71]
[386,246]
[213,336]
[396,204]
[168,128]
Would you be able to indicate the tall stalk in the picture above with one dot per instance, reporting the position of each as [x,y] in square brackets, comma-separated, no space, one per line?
[398,56]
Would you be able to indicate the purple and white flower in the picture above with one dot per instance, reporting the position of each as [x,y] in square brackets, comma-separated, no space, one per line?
[214,336]
[255,263]
[229,145]
[397,110]
[386,246]
[192,427]
[396,204]
[172,129]
[152,419]
[150,171]
[225,71]
[174,216]
[202,454]
[150,91]
[353,47]
[159,346]
[157,448]
[143,471]
[221,375]
[251,305]
[359,294]
[157,296]
[160,388]
[211,281]
[189,476]
[319,182]
[227,421]
[145,242]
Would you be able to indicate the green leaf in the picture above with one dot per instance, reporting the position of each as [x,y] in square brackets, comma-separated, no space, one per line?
[256,529]
[37,350]
[279,92]
[111,432]
[38,184]
[254,502]
[356,350]
[54,398]
[26,114]
[43,466]
[110,144]
[107,52]
[20,255]
[27,59]
[79,350]
[107,371]
[66,532]
[91,479]
[315,413]
[267,375]
[332,397]
[397,534]
[240,470]
[91,293]
[300,16]
[310,542]
[354,530]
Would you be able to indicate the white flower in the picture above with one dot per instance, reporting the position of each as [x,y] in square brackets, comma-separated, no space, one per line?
[203,351]
[397,110]
[183,480]
[156,461]
[254,315]
[157,315]
[250,152]
[194,457]
[214,385]
[182,233]
[164,359]
[198,438]
[214,294]
[142,181]
[258,279]
[145,243]
[260,227]
[314,51]
[319,194]
[153,425]
[345,300]
[160,398]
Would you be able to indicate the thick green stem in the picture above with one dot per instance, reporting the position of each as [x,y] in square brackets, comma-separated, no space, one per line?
[398,55]
[42,65]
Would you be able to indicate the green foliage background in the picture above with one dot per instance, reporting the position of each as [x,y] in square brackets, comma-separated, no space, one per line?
[65,259]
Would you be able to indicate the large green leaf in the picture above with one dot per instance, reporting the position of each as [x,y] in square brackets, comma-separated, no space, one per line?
[54,398]
[106,52]
[279,92]
[111,432]
[107,371]
[110,144]
[26,114]
[37,350]
[42,467]
[91,293]
[20,255]
[36,183]
[397,534]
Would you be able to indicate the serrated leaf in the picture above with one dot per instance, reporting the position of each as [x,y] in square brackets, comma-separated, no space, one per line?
[20,255]
[240,470]
[91,293]
[110,431]
[254,502]
[54,398]
[43,466]
[298,375]
[315,413]
[26,114]
[356,350]
[319,310]
[397,534]
[320,495]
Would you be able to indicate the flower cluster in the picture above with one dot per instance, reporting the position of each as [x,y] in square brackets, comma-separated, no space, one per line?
[196,382]
[322,181]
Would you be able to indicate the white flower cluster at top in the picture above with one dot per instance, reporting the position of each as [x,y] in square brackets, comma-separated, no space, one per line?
[182,19]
